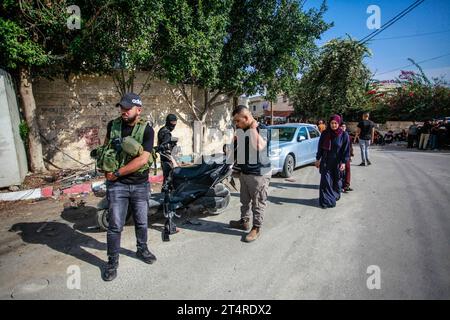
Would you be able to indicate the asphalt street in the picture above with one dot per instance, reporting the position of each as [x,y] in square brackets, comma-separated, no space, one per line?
[396,221]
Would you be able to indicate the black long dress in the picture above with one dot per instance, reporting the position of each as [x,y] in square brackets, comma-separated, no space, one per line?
[330,180]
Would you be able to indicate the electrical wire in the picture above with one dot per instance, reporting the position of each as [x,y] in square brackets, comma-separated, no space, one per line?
[423,61]
[392,21]
[412,35]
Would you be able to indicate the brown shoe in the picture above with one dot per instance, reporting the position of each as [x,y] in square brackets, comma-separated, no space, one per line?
[253,235]
[240,224]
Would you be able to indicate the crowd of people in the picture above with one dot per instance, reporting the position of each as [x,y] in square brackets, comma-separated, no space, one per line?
[432,135]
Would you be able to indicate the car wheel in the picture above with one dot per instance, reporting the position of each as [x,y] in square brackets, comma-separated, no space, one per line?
[288,168]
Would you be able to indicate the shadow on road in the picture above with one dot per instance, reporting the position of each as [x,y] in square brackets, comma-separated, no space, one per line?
[62,238]
[211,227]
[83,218]
[281,185]
[305,202]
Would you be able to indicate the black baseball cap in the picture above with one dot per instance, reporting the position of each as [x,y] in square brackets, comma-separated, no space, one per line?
[129,100]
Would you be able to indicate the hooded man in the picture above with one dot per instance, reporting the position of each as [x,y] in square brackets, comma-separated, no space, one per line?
[165,142]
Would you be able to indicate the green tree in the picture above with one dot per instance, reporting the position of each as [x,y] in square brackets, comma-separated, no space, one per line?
[418,98]
[33,35]
[117,38]
[337,81]
[193,33]
[237,47]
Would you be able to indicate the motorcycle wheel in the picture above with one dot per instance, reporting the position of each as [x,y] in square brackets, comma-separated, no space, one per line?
[215,211]
[103,218]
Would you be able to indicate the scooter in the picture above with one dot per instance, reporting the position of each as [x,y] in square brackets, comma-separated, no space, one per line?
[194,188]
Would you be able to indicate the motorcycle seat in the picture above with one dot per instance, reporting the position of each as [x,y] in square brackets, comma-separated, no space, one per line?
[192,171]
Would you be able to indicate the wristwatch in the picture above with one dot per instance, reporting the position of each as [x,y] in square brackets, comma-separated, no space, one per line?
[117,173]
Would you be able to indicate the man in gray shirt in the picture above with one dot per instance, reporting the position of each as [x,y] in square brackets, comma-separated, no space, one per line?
[412,134]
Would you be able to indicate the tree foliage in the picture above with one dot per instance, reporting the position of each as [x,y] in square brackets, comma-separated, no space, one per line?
[237,47]
[336,82]
[116,38]
[414,97]
[33,34]
[268,44]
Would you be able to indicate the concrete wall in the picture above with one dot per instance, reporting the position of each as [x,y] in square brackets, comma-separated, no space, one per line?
[12,151]
[396,126]
[73,115]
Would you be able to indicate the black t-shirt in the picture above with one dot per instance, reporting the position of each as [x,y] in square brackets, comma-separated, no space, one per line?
[366,127]
[259,168]
[147,144]
[164,139]
[426,129]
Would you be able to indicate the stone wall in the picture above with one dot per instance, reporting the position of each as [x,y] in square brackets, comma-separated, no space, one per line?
[395,126]
[73,115]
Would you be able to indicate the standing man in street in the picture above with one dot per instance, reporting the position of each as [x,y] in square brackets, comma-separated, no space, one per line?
[165,144]
[412,134]
[365,133]
[425,135]
[128,187]
[255,168]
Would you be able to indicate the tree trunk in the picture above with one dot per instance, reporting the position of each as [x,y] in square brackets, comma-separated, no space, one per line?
[271,113]
[36,159]
[235,102]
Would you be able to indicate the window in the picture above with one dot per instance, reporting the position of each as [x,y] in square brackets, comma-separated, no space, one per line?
[302,133]
[313,133]
[254,108]
[284,134]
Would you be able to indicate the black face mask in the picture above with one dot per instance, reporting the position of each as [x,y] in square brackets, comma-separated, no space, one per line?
[170,117]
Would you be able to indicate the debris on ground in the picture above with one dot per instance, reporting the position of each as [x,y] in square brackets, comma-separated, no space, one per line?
[59,179]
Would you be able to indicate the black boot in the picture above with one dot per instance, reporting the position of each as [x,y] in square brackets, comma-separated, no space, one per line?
[145,255]
[110,271]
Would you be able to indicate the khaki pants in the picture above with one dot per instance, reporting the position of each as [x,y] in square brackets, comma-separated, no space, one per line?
[254,189]
[424,140]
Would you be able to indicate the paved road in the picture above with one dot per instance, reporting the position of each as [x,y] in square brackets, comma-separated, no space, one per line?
[396,219]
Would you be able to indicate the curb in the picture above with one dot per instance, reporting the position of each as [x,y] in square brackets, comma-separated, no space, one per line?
[47,192]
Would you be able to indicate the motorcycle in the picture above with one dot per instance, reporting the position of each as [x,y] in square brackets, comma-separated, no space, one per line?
[194,188]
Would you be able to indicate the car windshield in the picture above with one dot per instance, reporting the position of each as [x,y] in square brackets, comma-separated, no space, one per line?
[284,134]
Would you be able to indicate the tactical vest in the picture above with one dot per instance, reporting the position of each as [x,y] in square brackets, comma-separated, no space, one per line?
[110,160]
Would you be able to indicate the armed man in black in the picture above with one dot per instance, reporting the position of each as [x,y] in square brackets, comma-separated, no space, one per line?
[165,143]
[128,186]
